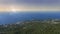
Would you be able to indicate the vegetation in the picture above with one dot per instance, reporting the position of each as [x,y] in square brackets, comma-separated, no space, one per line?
[31,27]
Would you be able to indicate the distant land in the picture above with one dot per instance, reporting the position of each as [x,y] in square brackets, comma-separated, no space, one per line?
[11,17]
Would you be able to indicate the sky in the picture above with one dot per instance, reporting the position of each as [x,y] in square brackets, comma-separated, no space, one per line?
[29,5]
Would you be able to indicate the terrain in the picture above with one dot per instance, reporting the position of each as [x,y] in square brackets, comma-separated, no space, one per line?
[32,27]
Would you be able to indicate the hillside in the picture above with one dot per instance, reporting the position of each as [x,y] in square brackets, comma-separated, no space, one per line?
[31,27]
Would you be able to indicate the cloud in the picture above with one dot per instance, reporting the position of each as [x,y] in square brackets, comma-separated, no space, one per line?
[39,2]
[31,2]
[7,2]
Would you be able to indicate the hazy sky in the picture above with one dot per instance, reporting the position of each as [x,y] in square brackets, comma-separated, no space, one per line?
[22,5]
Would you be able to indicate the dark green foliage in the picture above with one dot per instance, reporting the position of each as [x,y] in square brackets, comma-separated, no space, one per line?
[32,27]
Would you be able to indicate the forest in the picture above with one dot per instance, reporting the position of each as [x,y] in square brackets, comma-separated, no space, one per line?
[32,27]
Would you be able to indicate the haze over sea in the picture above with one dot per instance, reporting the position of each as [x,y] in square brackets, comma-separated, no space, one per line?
[11,17]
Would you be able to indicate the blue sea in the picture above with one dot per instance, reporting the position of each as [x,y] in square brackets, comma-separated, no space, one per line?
[11,17]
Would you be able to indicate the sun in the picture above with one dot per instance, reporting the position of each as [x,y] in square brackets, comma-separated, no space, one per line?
[13,9]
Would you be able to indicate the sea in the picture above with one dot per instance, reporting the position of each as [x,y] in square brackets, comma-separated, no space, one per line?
[13,17]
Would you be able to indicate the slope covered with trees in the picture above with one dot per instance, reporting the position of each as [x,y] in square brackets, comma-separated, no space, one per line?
[31,27]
